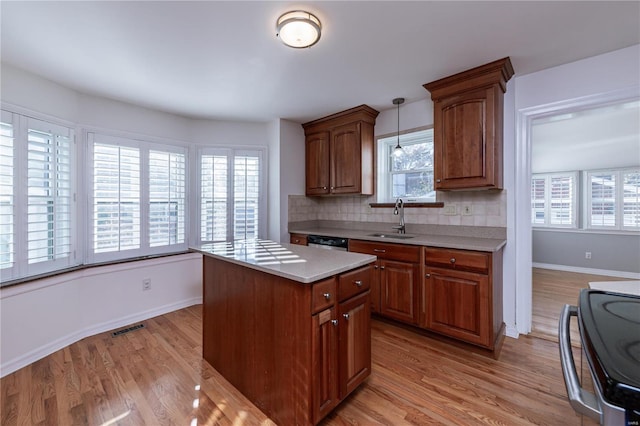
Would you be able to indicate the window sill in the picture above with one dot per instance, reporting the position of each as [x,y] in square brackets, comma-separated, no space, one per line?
[435,205]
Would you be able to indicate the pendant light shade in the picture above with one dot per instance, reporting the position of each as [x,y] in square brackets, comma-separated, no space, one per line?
[298,29]
[398,151]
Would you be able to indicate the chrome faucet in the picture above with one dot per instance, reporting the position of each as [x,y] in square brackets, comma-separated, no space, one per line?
[399,210]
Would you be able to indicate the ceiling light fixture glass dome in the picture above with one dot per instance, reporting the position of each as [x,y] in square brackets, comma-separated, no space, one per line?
[298,29]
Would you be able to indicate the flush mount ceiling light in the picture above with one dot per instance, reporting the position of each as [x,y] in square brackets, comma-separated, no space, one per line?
[398,151]
[298,29]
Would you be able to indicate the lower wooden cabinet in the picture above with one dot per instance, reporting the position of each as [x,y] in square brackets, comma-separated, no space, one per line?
[463,295]
[398,290]
[395,286]
[324,363]
[341,344]
[300,239]
[458,305]
[354,323]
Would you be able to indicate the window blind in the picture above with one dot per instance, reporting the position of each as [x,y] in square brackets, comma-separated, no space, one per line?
[214,197]
[7,199]
[167,194]
[116,198]
[603,199]
[246,196]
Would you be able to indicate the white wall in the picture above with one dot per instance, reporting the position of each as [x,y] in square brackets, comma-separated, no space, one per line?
[611,75]
[43,316]
[292,169]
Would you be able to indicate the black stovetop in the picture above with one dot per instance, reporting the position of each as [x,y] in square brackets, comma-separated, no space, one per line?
[610,330]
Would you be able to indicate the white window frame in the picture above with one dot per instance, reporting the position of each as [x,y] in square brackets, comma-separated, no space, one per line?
[21,121]
[618,200]
[385,145]
[145,146]
[547,200]
[230,153]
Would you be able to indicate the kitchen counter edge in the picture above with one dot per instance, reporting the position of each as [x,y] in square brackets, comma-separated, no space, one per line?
[442,241]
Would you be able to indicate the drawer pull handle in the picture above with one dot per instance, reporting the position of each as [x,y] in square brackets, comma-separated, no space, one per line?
[427,275]
[437,180]
[452,260]
[358,283]
[380,250]
[334,322]
[327,296]
[346,316]
[382,267]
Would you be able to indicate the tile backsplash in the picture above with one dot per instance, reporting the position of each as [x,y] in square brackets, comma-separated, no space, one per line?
[484,208]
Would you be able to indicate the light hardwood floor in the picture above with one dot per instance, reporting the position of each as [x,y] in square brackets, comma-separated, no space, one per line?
[551,291]
[156,376]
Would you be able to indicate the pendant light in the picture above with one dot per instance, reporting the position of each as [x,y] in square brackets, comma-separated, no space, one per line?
[398,151]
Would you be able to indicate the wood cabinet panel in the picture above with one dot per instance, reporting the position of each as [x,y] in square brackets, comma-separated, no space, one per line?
[399,290]
[354,282]
[459,305]
[339,152]
[325,363]
[457,259]
[388,251]
[468,127]
[355,342]
[317,162]
[300,239]
[323,294]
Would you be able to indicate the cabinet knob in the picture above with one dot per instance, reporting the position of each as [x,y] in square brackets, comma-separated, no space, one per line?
[334,322]
[427,275]
[375,266]
[438,180]
[358,283]
[379,250]
[346,316]
[296,241]
[327,296]
[452,260]
[324,187]
[382,267]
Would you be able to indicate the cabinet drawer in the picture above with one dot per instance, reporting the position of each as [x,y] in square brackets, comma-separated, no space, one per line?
[323,295]
[354,282]
[300,239]
[386,250]
[457,259]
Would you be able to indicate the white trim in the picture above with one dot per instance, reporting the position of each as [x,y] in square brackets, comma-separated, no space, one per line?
[8,367]
[591,271]
[523,229]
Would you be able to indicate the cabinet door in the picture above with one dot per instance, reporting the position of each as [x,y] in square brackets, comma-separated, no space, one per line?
[375,289]
[317,163]
[459,305]
[355,342]
[398,290]
[324,363]
[464,140]
[346,163]
[300,239]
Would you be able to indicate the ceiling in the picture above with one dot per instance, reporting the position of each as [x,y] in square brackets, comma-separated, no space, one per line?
[222,60]
[602,137]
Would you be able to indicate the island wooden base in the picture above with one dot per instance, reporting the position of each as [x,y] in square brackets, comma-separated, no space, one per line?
[261,333]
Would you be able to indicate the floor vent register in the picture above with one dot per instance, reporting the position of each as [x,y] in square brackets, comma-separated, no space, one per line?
[127,330]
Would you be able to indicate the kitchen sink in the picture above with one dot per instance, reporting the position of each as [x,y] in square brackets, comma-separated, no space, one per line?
[396,236]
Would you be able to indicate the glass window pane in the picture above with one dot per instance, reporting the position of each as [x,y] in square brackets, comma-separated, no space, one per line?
[631,199]
[603,202]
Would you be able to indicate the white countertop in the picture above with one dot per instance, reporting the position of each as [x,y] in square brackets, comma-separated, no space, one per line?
[627,287]
[443,241]
[295,262]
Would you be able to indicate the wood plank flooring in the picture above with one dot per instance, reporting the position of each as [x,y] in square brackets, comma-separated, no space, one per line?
[551,291]
[156,376]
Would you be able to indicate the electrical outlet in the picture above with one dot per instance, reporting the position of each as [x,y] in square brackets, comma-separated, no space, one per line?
[146,284]
[450,210]
[587,255]
[467,210]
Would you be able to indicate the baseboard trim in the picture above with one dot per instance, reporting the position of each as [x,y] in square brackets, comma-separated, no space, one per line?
[591,271]
[91,330]
[511,331]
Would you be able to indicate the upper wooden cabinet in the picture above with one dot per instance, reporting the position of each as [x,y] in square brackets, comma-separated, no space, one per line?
[467,123]
[339,153]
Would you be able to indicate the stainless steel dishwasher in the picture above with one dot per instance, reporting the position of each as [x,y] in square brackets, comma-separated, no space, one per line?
[326,242]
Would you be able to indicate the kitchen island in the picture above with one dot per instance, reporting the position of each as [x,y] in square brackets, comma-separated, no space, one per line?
[288,326]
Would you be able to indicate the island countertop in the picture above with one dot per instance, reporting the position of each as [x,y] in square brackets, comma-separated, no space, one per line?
[295,262]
